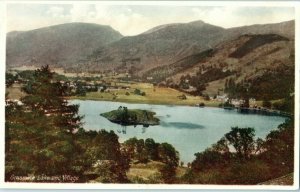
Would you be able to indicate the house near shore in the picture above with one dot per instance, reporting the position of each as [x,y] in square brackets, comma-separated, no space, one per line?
[222,98]
[239,102]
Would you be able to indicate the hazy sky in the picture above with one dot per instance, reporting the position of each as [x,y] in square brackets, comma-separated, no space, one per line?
[135,19]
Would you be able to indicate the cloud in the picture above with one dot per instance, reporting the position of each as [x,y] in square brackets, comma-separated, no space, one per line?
[240,16]
[56,11]
[135,19]
[79,13]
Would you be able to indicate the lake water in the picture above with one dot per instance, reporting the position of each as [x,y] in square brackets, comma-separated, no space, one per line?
[189,129]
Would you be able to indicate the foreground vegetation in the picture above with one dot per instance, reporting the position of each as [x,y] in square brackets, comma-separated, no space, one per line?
[238,158]
[45,142]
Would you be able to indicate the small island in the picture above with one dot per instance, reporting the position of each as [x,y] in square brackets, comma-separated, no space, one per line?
[125,117]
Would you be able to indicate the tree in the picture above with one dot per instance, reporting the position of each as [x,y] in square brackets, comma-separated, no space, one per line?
[152,149]
[168,173]
[170,157]
[41,133]
[279,148]
[168,154]
[130,146]
[109,162]
[242,139]
[10,79]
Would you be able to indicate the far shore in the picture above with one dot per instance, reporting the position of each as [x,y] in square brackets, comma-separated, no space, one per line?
[153,102]
[193,103]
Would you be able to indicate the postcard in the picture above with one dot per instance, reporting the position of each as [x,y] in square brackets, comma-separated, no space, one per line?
[150,95]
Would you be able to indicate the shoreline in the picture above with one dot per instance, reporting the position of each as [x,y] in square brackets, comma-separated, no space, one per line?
[267,112]
[182,103]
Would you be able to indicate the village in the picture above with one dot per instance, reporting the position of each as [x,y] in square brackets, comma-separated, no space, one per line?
[114,87]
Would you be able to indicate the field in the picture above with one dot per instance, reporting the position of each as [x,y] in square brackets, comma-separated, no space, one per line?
[149,172]
[153,95]
[14,92]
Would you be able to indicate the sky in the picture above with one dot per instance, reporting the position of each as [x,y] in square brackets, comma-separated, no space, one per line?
[135,19]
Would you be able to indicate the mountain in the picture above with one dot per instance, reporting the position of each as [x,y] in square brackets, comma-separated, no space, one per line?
[166,44]
[60,45]
[262,62]
[96,48]
[161,45]
[286,29]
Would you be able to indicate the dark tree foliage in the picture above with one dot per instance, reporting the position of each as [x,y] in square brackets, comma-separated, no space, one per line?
[168,154]
[287,104]
[152,148]
[104,152]
[41,132]
[207,160]
[44,137]
[168,173]
[10,79]
[279,146]
[254,42]
[145,150]
[273,84]
[200,80]
[242,139]
[251,161]
[266,103]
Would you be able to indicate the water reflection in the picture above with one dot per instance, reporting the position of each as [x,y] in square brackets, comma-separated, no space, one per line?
[182,125]
[123,129]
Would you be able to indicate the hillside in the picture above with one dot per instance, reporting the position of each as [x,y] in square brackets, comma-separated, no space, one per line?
[284,180]
[60,45]
[195,57]
[159,46]
[167,44]
[244,59]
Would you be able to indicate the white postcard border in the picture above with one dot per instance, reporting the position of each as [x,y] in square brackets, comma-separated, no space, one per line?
[150,186]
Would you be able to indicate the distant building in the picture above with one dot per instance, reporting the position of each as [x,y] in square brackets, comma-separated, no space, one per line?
[222,98]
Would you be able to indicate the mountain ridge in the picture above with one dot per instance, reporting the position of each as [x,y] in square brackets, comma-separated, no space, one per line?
[159,46]
[57,45]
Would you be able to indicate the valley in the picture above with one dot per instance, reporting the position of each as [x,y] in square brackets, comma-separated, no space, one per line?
[170,105]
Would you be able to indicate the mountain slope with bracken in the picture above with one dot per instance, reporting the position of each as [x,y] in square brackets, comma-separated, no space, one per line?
[164,54]
[167,44]
[246,59]
[60,45]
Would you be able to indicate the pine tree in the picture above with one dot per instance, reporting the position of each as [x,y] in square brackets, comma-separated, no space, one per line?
[41,133]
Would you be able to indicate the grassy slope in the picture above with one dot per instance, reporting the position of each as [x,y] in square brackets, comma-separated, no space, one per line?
[154,95]
[284,180]
[14,92]
[150,172]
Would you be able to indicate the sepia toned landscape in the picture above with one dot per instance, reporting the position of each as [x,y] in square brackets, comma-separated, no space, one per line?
[179,103]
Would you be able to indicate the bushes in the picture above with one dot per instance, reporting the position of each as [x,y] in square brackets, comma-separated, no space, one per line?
[139,92]
[182,97]
[239,159]
[143,151]
[250,172]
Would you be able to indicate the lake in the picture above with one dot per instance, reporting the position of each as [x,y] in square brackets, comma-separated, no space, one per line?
[189,129]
